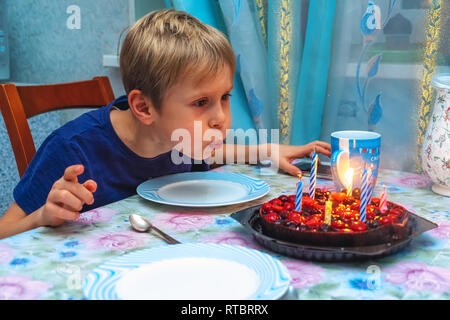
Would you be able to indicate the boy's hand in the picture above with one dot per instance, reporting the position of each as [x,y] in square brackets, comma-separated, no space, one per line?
[286,154]
[67,197]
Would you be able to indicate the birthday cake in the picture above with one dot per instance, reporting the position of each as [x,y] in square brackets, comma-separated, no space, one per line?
[341,226]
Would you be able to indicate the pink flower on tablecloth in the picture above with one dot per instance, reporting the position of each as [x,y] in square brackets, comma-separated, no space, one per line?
[18,287]
[412,180]
[6,253]
[442,231]
[303,273]
[233,238]
[96,215]
[116,240]
[182,221]
[419,276]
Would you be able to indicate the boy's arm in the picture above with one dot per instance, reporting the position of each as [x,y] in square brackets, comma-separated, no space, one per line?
[280,155]
[244,154]
[64,201]
[15,221]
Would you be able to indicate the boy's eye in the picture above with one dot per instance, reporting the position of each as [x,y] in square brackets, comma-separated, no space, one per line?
[200,103]
[226,96]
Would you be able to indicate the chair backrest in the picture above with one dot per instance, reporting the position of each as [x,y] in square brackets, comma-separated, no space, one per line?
[18,103]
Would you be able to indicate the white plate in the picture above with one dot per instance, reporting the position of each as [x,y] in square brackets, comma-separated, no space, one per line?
[203,189]
[189,271]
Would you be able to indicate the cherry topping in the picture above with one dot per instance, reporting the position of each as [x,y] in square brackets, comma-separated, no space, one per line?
[307,201]
[277,208]
[358,226]
[276,202]
[271,217]
[339,196]
[266,206]
[386,220]
[338,224]
[314,222]
[284,213]
[396,212]
[296,217]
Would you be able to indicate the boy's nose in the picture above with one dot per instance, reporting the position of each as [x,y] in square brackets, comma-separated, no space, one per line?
[217,119]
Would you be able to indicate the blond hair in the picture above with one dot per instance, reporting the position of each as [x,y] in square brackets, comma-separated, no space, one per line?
[165,45]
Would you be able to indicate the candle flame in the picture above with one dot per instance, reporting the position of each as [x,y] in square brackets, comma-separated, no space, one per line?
[349,176]
[349,183]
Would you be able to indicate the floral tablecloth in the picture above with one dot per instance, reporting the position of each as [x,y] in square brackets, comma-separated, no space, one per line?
[51,263]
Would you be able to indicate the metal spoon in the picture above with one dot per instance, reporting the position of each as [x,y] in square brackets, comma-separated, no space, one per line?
[141,224]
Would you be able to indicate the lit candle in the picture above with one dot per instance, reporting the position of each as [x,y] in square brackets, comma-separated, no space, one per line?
[383,200]
[364,195]
[313,176]
[328,209]
[298,197]
[349,178]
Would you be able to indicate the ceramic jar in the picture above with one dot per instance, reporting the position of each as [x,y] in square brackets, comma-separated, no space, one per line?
[436,145]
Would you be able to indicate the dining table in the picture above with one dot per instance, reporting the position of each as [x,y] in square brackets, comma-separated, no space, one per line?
[51,263]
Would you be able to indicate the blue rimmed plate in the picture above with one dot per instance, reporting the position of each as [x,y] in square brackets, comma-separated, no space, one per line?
[203,189]
[189,271]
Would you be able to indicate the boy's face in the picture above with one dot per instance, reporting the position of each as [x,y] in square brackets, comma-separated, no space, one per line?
[199,111]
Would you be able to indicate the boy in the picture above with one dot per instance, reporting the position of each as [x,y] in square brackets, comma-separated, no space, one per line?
[176,72]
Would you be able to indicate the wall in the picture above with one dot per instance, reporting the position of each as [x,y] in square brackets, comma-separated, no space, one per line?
[142,7]
[45,50]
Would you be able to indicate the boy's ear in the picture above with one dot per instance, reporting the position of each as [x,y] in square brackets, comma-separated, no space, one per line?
[141,106]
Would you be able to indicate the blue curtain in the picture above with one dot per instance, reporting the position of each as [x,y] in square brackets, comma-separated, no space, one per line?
[283,52]
[312,86]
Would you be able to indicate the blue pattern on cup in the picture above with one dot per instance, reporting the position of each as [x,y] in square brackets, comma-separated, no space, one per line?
[363,149]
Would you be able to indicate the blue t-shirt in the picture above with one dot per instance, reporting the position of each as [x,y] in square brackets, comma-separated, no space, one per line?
[90,140]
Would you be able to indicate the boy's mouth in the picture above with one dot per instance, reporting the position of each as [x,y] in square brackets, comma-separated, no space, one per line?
[216,144]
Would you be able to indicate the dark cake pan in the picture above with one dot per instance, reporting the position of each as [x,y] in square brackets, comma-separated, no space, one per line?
[251,220]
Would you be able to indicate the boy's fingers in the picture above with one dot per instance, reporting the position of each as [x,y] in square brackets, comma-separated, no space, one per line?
[324,145]
[290,168]
[79,190]
[62,213]
[71,173]
[91,185]
[67,199]
[320,146]
[324,151]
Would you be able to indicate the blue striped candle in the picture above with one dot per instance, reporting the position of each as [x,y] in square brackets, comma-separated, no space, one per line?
[313,176]
[371,178]
[364,196]
[298,197]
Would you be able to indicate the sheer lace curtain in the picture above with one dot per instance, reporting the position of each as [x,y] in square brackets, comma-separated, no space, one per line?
[311,67]
[377,71]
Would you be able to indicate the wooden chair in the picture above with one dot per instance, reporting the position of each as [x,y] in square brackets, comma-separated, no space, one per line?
[18,103]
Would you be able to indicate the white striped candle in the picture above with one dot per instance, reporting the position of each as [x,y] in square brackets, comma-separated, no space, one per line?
[313,176]
[298,197]
[364,196]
